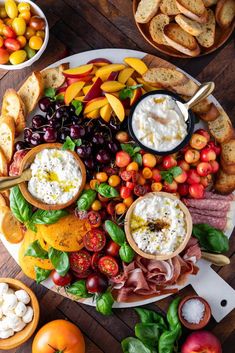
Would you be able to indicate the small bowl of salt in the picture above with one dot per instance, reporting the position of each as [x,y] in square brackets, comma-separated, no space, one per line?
[194,312]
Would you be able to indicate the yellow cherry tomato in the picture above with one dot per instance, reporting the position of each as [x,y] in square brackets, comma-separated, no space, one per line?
[156,187]
[11,8]
[40,34]
[149,160]
[1,41]
[23,6]
[26,15]
[141,180]
[94,183]
[35,42]
[19,26]
[114,180]
[132,166]
[102,177]
[8,21]
[30,32]
[2,25]
[128,201]
[3,13]
[120,208]
[18,57]
[22,40]
[147,173]
[96,205]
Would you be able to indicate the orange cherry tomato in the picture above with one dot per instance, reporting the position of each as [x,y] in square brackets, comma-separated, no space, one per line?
[132,166]
[102,177]
[149,160]
[147,173]
[128,201]
[120,208]
[35,42]
[12,44]
[22,40]
[26,15]
[8,32]
[114,180]
[30,32]
[23,6]
[96,205]
[4,56]
[94,183]
[40,34]
[3,13]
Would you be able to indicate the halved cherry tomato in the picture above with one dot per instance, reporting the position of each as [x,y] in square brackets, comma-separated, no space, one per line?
[122,159]
[94,219]
[95,260]
[94,240]
[112,249]
[156,175]
[130,185]
[111,207]
[125,192]
[126,175]
[61,280]
[108,266]
[80,261]
[140,190]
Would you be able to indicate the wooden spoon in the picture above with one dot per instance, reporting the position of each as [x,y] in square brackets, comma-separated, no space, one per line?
[8,182]
[216,259]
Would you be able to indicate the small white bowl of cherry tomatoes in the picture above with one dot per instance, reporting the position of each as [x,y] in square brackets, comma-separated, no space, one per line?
[24,34]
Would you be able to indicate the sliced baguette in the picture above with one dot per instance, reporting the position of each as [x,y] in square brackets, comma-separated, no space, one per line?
[146,10]
[202,107]
[156,27]
[192,27]
[227,168]
[13,105]
[32,90]
[225,12]
[169,7]
[221,128]
[211,114]
[54,77]
[225,183]
[188,88]
[194,9]
[209,3]
[164,77]
[3,164]
[207,37]
[7,136]
[181,40]
[228,152]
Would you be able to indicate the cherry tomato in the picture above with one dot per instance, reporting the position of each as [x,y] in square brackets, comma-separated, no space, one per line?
[122,159]
[35,42]
[141,180]
[84,274]
[133,166]
[204,168]
[149,160]
[183,189]
[147,173]
[206,181]
[18,57]
[134,176]
[122,136]
[181,178]
[120,208]
[111,208]
[207,154]
[203,133]
[183,165]
[22,6]
[125,192]
[140,190]
[126,175]
[30,32]
[102,177]
[108,266]
[8,32]
[198,141]
[130,185]
[156,175]
[80,261]
[168,162]
[96,206]
[26,15]
[196,191]
[19,26]
[95,260]
[215,166]
[1,41]
[193,177]
[3,13]
[94,219]
[37,23]
[156,187]
[114,180]
[61,280]
[170,187]
[40,34]
[11,8]
[112,249]
[215,147]
[96,283]
[94,240]
[22,40]
[4,56]
[12,44]
[128,201]
[192,156]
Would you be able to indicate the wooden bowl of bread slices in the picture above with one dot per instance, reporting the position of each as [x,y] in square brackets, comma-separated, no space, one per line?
[185,28]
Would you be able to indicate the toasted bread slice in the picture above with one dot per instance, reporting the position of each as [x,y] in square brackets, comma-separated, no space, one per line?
[181,40]
[221,128]
[212,113]
[146,10]
[227,168]
[32,90]
[164,77]
[207,37]
[202,107]
[3,164]
[192,27]
[2,201]
[194,9]
[225,183]
[225,12]
[6,195]
[54,77]
[13,105]
[156,26]
[228,152]
[209,3]
[7,136]
[169,7]
[188,88]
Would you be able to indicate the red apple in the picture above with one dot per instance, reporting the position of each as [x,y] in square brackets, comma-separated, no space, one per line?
[207,154]
[94,91]
[201,342]
[99,61]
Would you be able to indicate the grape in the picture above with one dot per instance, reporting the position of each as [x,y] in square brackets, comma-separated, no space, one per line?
[103,156]
[50,135]
[113,146]
[71,109]
[63,133]
[27,134]
[98,138]
[38,121]
[56,123]
[44,104]
[20,145]
[89,163]
[90,129]
[36,139]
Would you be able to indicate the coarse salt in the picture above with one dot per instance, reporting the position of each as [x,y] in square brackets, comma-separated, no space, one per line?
[193,311]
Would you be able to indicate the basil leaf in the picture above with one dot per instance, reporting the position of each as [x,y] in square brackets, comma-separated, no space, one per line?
[129,148]
[20,208]
[210,238]
[137,158]
[35,250]
[78,106]
[167,176]
[60,260]
[126,93]
[86,199]
[69,144]
[50,92]
[150,316]
[106,190]
[148,333]
[175,171]
[134,345]
[115,232]
[59,97]
[172,313]
[104,303]
[168,339]
[41,274]
[47,217]
[137,149]
[126,253]
[78,289]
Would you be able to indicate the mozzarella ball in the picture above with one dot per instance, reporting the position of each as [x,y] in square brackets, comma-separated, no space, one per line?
[6,333]
[28,317]
[3,289]
[20,309]
[20,326]
[22,296]
[4,324]
[10,302]
[13,320]
[1,314]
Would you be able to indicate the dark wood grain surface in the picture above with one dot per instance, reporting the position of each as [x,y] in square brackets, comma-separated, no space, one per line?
[80,25]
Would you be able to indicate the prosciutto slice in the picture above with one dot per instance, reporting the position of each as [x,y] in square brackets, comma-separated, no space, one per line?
[15,165]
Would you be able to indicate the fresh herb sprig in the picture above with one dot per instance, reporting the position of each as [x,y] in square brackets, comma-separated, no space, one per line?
[128,91]
[133,151]
[170,174]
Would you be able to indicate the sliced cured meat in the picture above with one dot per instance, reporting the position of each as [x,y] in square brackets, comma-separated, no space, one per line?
[208,204]
[211,213]
[213,195]
[15,165]
[217,222]
[192,251]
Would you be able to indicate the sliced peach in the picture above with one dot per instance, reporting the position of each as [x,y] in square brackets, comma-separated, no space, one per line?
[62,89]
[116,94]
[137,93]
[99,62]
[131,82]
[143,90]
[86,89]
[94,91]
[116,105]
[80,98]
[125,74]
[104,71]
[71,80]
[112,86]
[72,91]
[94,114]
[137,64]
[95,104]
[106,112]
[79,71]
[112,76]
[94,78]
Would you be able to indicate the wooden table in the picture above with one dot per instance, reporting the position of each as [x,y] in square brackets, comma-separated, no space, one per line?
[77,26]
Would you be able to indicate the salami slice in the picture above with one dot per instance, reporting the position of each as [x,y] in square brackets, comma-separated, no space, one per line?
[211,213]
[208,204]
[212,195]
[217,222]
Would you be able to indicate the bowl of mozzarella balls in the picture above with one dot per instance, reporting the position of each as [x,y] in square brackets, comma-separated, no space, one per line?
[19,313]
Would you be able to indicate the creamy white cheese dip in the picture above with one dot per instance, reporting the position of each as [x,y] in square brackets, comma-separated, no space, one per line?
[158,225]
[158,123]
[56,176]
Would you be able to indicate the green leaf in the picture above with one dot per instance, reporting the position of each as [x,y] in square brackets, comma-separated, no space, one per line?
[78,106]
[106,190]
[126,93]
[167,176]
[35,250]
[137,158]
[79,289]
[78,142]
[150,316]
[148,333]
[86,200]
[172,313]
[126,253]
[20,208]
[129,148]
[69,144]
[134,345]
[60,260]
[50,92]
[104,303]
[135,86]
[210,238]
[59,97]
[41,274]
[47,217]
[168,339]
[175,171]
[115,232]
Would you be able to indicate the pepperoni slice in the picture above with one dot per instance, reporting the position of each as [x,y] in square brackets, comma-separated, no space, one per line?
[108,266]
[94,240]
[80,261]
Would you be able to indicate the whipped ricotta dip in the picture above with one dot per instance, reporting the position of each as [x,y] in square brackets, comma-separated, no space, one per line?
[158,123]
[56,176]
[158,225]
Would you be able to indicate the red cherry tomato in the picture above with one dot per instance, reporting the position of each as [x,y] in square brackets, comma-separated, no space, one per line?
[198,141]
[8,32]
[183,189]
[204,168]
[130,185]
[156,175]
[193,177]
[196,191]
[140,190]
[206,180]
[80,261]
[37,23]
[215,166]
[112,249]
[181,178]
[170,187]
[126,175]
[183,165]
[111,208]
[215,147]
[122,159]
[125,192]
[94,240]
[96,283]
[203,133]
[108,266]
[61,280]
[94,218]
[207,154]
[168,162]
[12,44]
[4,56]
[83,274]
[95,260]
[134,176]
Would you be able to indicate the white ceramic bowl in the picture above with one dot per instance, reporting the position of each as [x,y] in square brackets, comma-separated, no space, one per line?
[36,11]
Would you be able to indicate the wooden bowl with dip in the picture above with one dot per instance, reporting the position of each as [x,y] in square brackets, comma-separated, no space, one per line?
[21,337]
[26,163]
[158,256]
